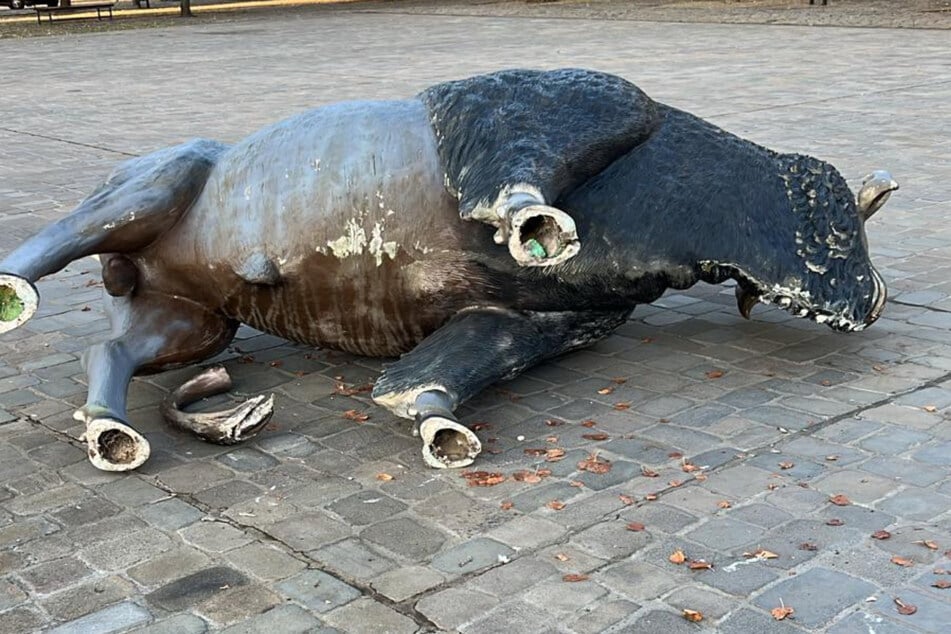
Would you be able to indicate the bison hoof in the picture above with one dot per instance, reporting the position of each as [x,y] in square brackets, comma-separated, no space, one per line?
[542,236]
[225,427]
[18,301]
[447,444]
[114,446]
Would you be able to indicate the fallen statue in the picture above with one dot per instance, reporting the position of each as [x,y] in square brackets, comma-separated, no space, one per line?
[340,228]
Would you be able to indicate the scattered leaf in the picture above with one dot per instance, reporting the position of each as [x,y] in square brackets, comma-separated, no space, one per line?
[574,577]
[902,561]
[808,546]
[554,455]
[772,486]
[506,505]
[675,454]
[762,553]
[649,473]
[686,467]
[674,483]
[650,497]
[345,390]
[724,504]
[677,557]
[927,543]
[534,452]
[562,557]
[930,408]
[835,521]
[906,609]
[276,364]
[881,535]
[480,426]
[551,422]
[840,500]
[526,476]
[943,584]
[700,477]
[482,478]
[578,484]
[636,527]
[647,340]
[692,615]
[623,405]
[832,458]
[598,436]
[879,368]
[626,500]
[352,414]
[700,564]
[825,382]
[556,505]
[714,374]
[552,439]
[384,477]
[594,464]
[619,380]
[588,423]
[782,612]
[604,391]
[786,465]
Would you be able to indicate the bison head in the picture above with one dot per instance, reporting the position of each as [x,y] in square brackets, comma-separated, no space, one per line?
[811,255]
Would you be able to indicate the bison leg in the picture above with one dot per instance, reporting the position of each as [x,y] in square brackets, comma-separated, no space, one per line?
[151,332]
[140,200]
[473,350]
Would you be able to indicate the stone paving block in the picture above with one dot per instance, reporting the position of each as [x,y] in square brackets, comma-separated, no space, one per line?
[190,590]
[453,607]
[405,582]
[514,616]
[46,500]
[662,621]
[264,561]
[637,580]
[247,459]
[472,555]
[215,537]
[130,491]
[283,619]
[817,595]
[169,566]
[405,537]
[527,531]
[226,495]
[658,517]
[611,539]
[711,604]
[117,618]
[746,621]
[863,622]
[21,620]
[195,476]
[598,618]
[765,515]
[237,604]
[857,517]
[725,534]
[937,454]
[511,578]
[10,594]
[317,590]
[178,624]
[559,596]
[77,601]
[739,482]
[365,616]
[170,514]
[915,503]
[901,470]
[55,575]
[893,440]
[366,507]
[352,559]
[858,486]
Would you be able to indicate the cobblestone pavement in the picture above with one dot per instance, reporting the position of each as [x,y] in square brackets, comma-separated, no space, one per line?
[296,531]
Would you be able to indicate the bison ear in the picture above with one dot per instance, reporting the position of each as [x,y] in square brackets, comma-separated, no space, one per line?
[876,188]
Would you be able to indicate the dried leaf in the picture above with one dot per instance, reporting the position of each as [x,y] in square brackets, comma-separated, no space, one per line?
[772,486]
[881,535]
[480,426]
[674,483]
[623,405]
[384,477]
[276,364]
[677,557]
[345,390]
[692,615]
[598,436]
[724,504]
[626,500]
[594,464]
[578,484]
[943,584]
[575,577]
[902,561]
[927,543]
[588,423]
[506,505]
[906,609]
[619,380]
[835,521]
[482,478]
[808,546]
[562,557]
[786,465]
[700,477]
[650,497]
[840,500]
[930,408]
[526,476]
[647,340]
[554,455]
[556,505]
[675,454]
[782,612]
[714,374]
[551,422]
[762,553]
[552,439]
[535,452]
[700,564]
[689,468]
[832,458]
[649,473]
[352,414]
[636,527]
[604,391]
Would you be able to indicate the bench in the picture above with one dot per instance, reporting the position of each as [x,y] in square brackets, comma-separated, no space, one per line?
[74,8]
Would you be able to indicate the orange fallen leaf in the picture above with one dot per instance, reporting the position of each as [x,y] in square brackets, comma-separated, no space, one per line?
[762,553]
[562,557]
[346,390]
[714,374]
[786,465]
[574,577]
[552,439]
[686,467]
[902,561]
[551,422]
[598,436]
[556,505]
[554,455]
[384,477]
[675,454]
[276,364]
[480,426]
[623,405]
[881,535]
[588,423]
[700,477]
[482,478]
[620,380]
[772,486]
[808,546]
[635,526]
[930,408]
[782,612]
[526,476]
[594,464]
[352,414]
[649,473]
[650,497]
[840,500]
[692,615]
[626,500]
[724,504]
[700,564]
[578,484]
[906,609]
[506,505]
[677,557]
[927,543]
[647,340]
[535,452]
[604,391]
[832,458]
[674,483]
[835,521]
[943,584]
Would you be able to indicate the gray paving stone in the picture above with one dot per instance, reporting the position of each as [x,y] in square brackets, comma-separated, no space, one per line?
[600,617]
[862,622]
[746,621]
[932,615]
[938,454]
[405,537]
[765,515]
[514,577]
[858,486]
[916,504]
[353,559]
[175,564]
[170,514]
[472,555]
[817,595]
[893,440]
[235,605]
[453,607]
[21,620]
[79,600]
[195,588]
[365,616]
[366,507]
[288,618]
[405,582]
[247,459]
[213,536]
[10,594]
[636,579]
[611,539]
[264,561]
[662,621]
[178,624]
[116,618]
[317,590]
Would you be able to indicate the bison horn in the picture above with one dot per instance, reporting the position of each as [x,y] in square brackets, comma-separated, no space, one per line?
[876,188]
[745,300]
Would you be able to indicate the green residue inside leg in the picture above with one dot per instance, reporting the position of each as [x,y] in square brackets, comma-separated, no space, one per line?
[11,306]
[536,249]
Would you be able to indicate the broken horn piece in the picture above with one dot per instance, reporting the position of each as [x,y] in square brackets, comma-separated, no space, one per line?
[876,188]
[745,300]
[447,444]
[18,301]
[542,236]
[224,427]
[114,446]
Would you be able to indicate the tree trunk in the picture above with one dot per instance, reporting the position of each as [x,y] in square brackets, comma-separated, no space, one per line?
[186,6]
